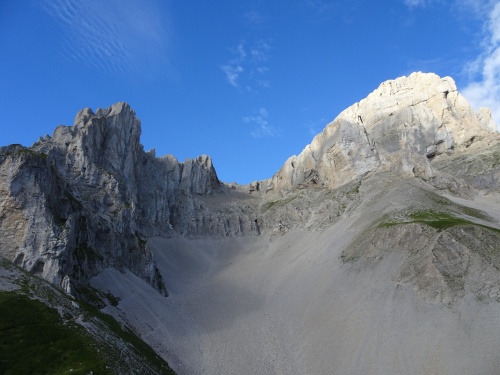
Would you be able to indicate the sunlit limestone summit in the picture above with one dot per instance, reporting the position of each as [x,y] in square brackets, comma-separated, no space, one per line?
[375,250]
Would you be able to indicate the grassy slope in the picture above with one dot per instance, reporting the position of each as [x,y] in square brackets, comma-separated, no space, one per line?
[34,340]
[40,334]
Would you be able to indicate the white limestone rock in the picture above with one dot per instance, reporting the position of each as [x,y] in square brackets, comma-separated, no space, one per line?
[401,126]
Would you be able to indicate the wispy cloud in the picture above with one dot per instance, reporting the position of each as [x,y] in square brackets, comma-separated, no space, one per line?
[345,11]
[483,72]
[261,125]
[314,127]
[111,36]
[478,8]
[452,65]
[415,3]
[426,3]
[322,6]
[255,18]
[247,65]
[259,51]
[264,83]
[484,91]
[232,72]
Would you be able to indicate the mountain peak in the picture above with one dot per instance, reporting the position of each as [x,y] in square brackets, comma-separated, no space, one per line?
[401,126]
[426,84]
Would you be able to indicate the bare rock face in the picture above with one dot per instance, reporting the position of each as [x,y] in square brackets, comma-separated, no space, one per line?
[182,198]
[402,127]
[87,198]
[73,199]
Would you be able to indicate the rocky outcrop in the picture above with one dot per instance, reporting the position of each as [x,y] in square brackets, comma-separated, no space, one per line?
[188,199]
[402,126]
[89,196]
[447,250]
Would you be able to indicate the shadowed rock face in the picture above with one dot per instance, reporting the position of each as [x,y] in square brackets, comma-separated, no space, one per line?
[89,197]
[86,198]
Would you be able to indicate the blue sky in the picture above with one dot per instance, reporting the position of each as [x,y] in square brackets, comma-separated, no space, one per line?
[247,82]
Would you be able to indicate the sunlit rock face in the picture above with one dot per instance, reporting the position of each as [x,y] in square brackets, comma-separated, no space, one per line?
[401,126]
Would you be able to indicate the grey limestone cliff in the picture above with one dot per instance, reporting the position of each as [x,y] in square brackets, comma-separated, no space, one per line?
[87,198]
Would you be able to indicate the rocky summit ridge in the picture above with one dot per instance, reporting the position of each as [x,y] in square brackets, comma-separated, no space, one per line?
[89,197]
[402,126]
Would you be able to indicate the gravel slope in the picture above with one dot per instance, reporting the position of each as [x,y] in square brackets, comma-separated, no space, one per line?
[289,305]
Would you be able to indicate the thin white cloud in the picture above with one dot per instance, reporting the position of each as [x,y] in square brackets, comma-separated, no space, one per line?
[262,127]
[479,8]
[485,90]
[233,68]
[239,70]
[311,128]
[415,3]
[321,6]
[484,72]
[264,83]
[260,51]
[111,36]
[240,52]
[346,11]
[232,73]
[255,18]
[426,3]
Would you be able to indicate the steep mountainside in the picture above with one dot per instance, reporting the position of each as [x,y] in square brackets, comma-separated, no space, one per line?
[86,199]
[376,250]
[44,331]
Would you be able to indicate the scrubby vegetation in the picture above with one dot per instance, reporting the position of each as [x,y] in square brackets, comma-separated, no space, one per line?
[435,219]
[34,340]
[277,203]
[43,331]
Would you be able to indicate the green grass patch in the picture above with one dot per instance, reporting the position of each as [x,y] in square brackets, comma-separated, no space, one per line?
[438,220]
[130,337]
[21,150]
[276,204]
[34,340]
[42,336]
[469,211]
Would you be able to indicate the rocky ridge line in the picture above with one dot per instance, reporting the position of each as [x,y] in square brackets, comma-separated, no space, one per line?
[88,197]
[403,126]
